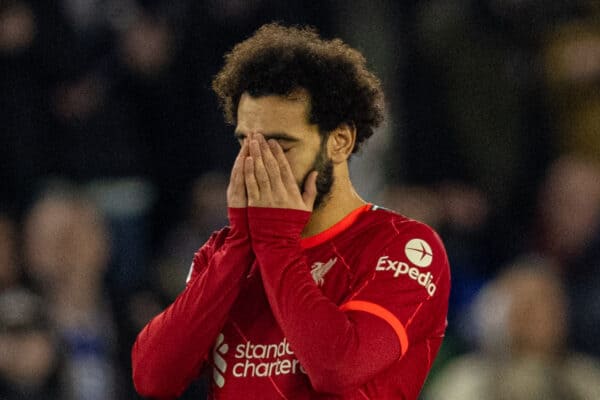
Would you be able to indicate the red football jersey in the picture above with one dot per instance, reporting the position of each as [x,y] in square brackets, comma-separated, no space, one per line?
[355,312]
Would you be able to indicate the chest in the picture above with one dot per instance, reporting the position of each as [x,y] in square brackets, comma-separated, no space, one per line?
[335,269]
[252,351]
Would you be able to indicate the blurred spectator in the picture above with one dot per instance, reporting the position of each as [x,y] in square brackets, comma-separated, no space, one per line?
[147,46]
[21,101]
[520,322]
[569,209]
[205,211]
[474,104]
[572,72]
[472,100]
[450,203]
[66,250]
[419,202]
[9,268]
[17,27]
[568,232]
[29,352]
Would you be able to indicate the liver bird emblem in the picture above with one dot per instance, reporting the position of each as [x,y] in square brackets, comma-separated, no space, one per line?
[319,269]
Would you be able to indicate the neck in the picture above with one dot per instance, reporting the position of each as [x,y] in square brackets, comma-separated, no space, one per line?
[342,200]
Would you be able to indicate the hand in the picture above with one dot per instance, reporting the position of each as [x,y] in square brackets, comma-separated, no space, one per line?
[269,178]
[236,191]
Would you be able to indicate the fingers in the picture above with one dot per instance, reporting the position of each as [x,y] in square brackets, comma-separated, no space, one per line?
[289,181]
[260,172]
[252,188]
[310,190]
[269,179]
[236,191]
[285,171]
[237,172]
[271,165]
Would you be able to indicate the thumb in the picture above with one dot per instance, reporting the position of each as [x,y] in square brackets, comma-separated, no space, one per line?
[310,190]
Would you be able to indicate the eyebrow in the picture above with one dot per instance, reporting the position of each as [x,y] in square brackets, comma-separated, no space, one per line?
[275,135]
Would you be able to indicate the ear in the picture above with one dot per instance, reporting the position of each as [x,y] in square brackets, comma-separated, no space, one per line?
[341,142]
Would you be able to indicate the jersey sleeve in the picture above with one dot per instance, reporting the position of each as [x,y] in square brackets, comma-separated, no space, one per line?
[172,348]
[340,347]
[406,284]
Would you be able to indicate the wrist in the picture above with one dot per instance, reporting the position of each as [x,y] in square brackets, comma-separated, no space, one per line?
[238,218]
[266,222]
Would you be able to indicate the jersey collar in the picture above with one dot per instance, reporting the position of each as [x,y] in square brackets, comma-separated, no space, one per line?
[336,229]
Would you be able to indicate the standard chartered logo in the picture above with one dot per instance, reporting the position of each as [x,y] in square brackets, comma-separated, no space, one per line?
[254,360]
[219,351]
[261,360]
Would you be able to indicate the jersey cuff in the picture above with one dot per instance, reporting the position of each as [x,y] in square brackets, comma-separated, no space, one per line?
[268,224]
[238,218]
[387,316]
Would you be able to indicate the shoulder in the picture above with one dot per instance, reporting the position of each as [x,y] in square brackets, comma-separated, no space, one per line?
[392,223]
[388,230]
[401,252]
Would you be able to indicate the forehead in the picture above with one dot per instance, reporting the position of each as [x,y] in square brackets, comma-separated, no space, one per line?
[273,113]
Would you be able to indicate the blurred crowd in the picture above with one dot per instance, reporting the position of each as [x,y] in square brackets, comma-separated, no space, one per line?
[114,162]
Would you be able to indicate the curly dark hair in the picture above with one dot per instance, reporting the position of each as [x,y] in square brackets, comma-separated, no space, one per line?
[280,60]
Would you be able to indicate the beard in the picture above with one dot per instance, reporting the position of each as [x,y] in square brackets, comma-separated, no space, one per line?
[324,167]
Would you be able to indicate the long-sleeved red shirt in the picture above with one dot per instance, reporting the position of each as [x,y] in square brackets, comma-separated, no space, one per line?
[355,312]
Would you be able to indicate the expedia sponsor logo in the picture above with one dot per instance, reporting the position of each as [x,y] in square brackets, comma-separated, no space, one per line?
[399,268]
[418,252]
